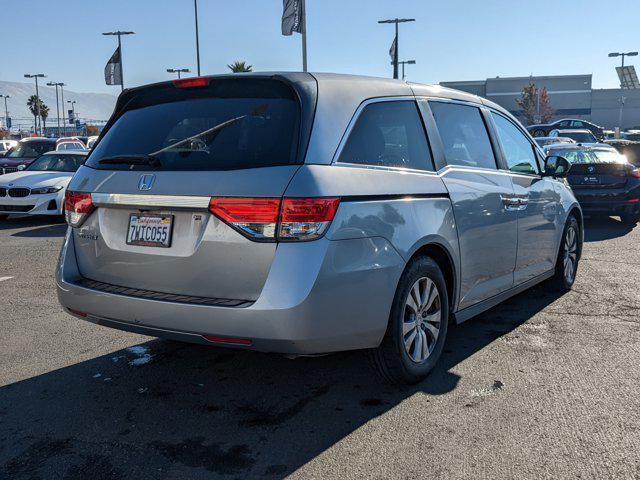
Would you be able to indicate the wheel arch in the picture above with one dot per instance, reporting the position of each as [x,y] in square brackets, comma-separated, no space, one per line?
[445,261]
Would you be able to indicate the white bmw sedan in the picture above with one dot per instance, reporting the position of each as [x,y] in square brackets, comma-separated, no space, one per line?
[39,189]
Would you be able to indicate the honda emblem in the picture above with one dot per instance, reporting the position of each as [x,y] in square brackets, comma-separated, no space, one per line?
[146,181]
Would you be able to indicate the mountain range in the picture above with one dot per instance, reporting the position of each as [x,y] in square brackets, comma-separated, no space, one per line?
[89,106]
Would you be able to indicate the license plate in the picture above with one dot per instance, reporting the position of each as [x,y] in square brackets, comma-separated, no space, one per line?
[591,180]
[150,230]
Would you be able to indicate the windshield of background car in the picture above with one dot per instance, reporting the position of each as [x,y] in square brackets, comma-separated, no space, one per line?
[589,156]
[227,125]
[30,149]
[57,163]
[581,137]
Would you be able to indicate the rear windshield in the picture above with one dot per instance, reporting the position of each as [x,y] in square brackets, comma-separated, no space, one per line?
[589,156]
[228,125]
[580,137]
[31,149]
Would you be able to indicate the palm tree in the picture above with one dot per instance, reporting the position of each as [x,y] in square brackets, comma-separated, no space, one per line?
[32,103]
[44,114]
[238,67]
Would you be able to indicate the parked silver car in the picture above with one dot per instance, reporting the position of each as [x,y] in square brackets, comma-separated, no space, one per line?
[312,213]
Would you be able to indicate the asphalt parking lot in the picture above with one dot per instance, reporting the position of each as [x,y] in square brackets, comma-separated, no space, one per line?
[543,386]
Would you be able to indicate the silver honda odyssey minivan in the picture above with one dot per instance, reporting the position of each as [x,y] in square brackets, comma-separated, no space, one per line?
[312,213]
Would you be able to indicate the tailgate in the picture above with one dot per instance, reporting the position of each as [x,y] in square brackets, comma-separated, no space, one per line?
[167,150]
[205,257]
[598,175]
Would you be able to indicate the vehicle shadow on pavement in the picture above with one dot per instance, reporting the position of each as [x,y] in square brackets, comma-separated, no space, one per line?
[598,229]
[33,227]
[168,410]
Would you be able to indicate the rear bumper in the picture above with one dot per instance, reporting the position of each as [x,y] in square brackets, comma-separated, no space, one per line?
[319,297]
[608,202]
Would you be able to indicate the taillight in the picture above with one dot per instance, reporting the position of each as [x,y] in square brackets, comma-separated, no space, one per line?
[77,207]
[306,218]
[255,218]
[191,82]
[635,172]
[270,219]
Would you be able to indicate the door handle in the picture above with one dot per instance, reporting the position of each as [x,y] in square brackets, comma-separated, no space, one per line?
[513,202]
[510,202]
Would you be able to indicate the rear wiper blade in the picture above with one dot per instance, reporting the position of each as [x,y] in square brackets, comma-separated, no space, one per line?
[131,160]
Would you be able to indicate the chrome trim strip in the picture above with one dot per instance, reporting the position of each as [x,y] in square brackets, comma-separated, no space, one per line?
[440,173]
[491,171]
[132,200]
[384,168]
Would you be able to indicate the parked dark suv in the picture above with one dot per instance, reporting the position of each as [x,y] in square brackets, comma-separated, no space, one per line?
[603,181]
[27,150]
[542,130]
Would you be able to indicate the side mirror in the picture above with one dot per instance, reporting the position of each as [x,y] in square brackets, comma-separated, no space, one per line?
[21,167]
[555,166]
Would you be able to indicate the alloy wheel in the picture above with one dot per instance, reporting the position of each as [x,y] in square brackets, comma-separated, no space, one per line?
[422,319]
[570,260]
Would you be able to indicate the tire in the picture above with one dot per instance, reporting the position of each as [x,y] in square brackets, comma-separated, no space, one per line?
[570,247]
[630,218]
[539,133]
[392,359]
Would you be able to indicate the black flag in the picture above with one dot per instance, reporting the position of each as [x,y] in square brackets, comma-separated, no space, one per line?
[392,51]
[292,16]
[113,69]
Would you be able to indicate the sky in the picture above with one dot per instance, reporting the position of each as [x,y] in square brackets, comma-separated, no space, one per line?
[450,40]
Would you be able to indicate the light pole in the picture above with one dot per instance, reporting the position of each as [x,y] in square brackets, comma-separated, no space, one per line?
[73,110]
[195,10]
[6,111]
[36,76]
[64,119]
[620,54]
[119,34]
[396,21]
[621,100]
[178,70]
[57,84]
[406,62]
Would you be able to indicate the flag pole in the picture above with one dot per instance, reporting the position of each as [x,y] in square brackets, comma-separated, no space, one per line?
[195,9]
[396,40]
[304,36]
[395,55]
[119,33]
[121,71]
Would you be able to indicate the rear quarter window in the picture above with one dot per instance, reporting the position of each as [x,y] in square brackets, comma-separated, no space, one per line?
[226,126]
[389,134]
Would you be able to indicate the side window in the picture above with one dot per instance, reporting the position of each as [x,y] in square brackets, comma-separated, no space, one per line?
[389,134]
[519,152]
[464,135]
[564,124]
[577,124]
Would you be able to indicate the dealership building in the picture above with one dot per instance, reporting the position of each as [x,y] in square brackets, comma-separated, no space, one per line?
[569,96]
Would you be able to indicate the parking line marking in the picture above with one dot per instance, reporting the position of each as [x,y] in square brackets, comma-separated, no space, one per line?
[2,279]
